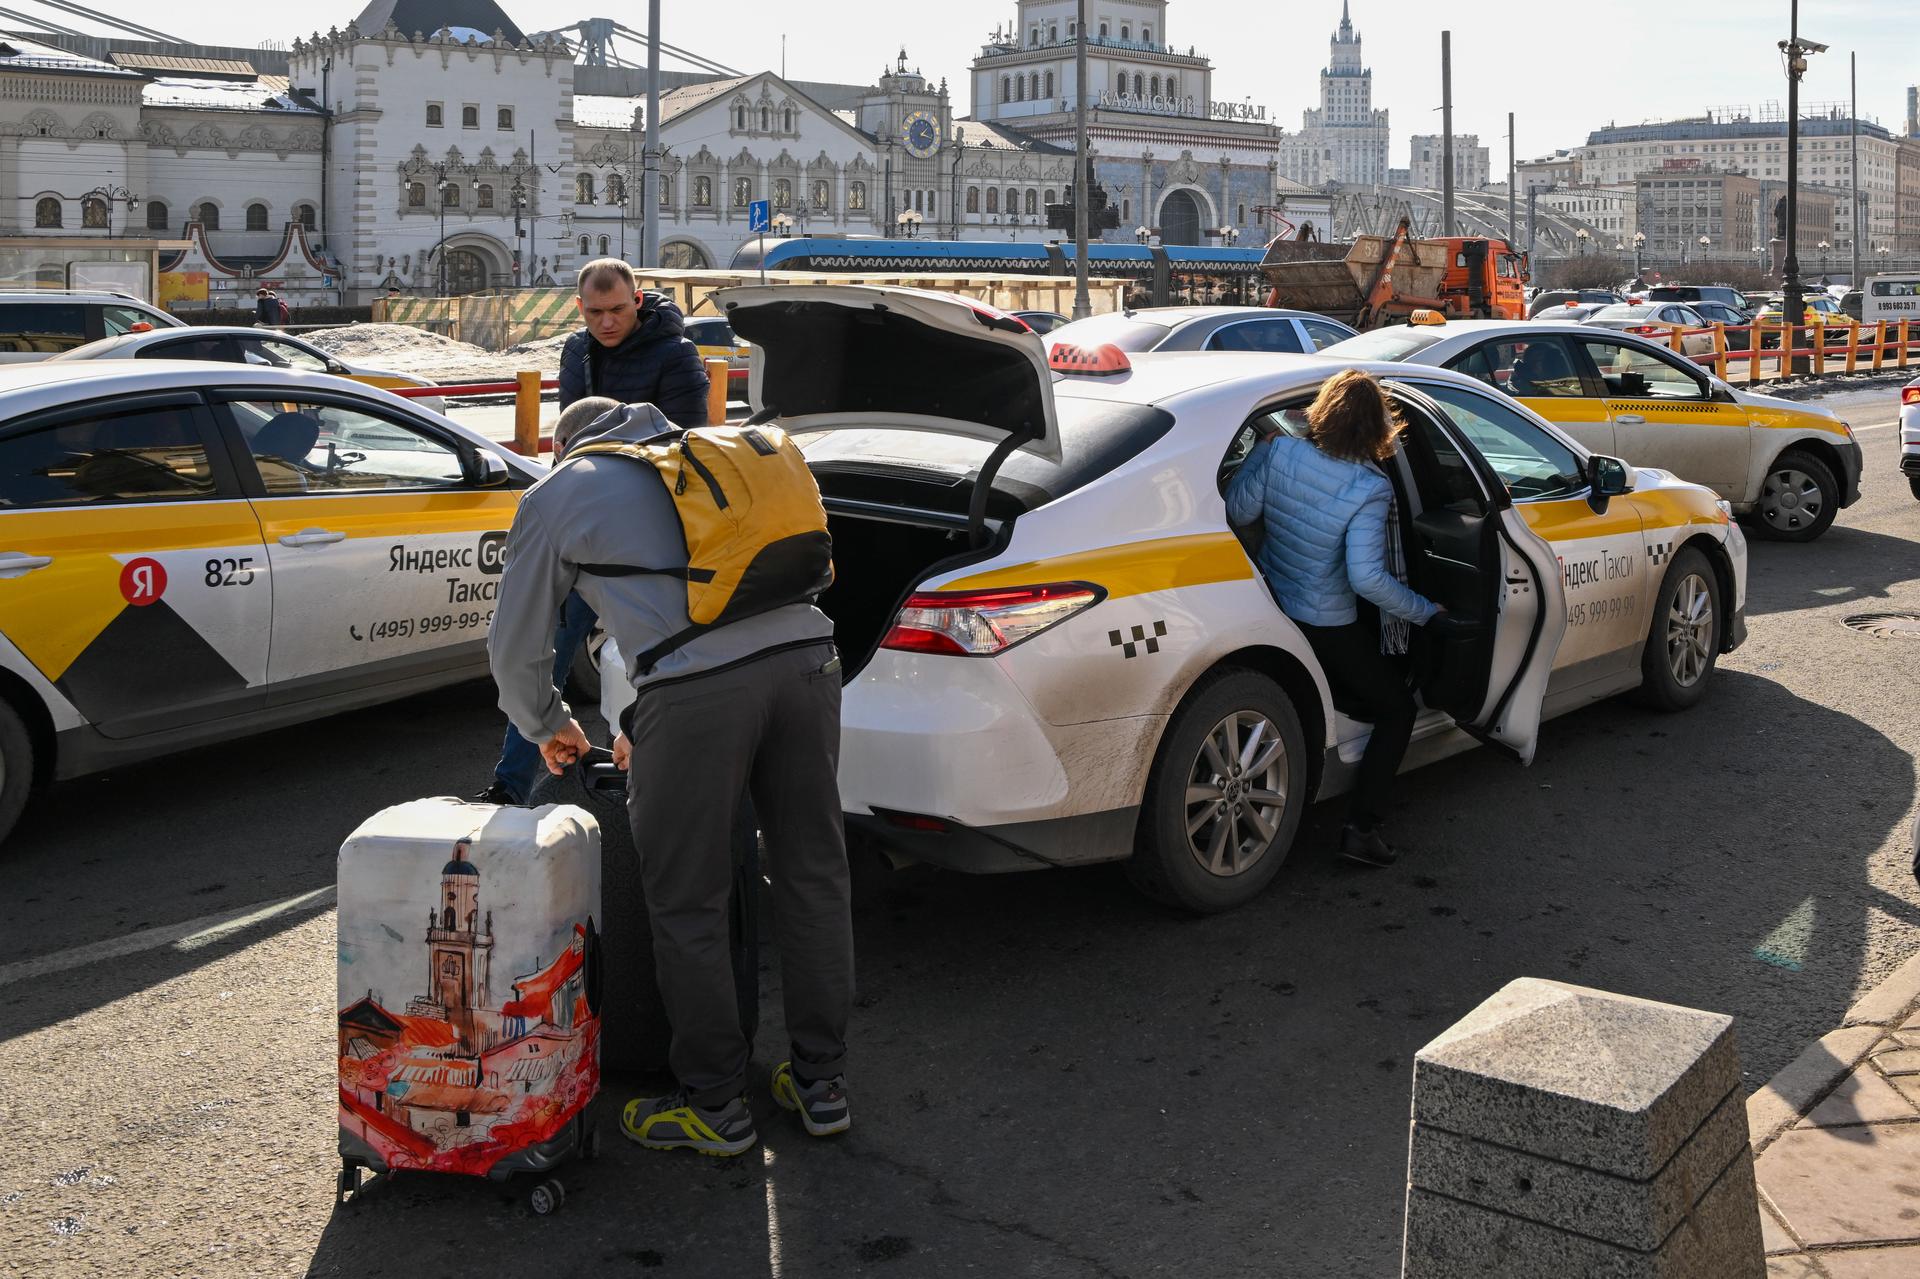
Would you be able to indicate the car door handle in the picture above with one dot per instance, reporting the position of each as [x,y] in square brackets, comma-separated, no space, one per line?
[19,564]
[312,537]
[1629,419]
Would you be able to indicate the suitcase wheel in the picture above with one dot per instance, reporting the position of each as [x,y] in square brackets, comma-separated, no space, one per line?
[346,1187]
[547,1197]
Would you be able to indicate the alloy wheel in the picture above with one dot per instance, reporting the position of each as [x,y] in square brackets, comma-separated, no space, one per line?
[1791,500]
[1689,630]
[1236,793]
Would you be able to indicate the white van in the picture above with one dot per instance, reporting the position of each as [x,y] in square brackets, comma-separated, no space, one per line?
[1890,298]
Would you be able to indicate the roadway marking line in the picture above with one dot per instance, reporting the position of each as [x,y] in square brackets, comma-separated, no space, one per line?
[188,935]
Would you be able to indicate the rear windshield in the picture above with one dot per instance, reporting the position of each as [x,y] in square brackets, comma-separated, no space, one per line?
[931,471]
[1124,331]
[1629,311]
[710,333]
[1389,344]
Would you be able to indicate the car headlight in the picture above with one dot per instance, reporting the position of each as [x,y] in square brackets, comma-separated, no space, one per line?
[1725,508]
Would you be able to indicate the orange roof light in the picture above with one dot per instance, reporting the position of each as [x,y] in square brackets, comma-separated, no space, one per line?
[1426,315]
[1088,361]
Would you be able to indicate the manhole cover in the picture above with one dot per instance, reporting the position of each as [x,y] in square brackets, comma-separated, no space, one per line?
[1887,625]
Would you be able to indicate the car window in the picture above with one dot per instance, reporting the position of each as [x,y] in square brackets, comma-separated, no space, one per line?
[1531,463]
[1441,473]
[1255,335]
[1124,331]
[1542,367]
[280,355]
[39,328]
[1395,343]
[116,320]
[325,448]
[149,455]
[1633,372]
[1324,333]
[201,348]
[710,333]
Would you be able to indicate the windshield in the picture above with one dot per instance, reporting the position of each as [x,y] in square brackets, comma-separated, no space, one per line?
[1389,344]
[1128,332]
[1627,311]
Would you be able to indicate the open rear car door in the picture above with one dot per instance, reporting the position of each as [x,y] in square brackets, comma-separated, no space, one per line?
[1471,551]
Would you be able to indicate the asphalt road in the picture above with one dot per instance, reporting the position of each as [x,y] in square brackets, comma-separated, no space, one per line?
[1050,1076]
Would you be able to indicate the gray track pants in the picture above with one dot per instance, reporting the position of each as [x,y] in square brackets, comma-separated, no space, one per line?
[770,728]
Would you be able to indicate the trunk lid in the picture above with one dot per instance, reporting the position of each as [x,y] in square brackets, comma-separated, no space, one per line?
[828,357]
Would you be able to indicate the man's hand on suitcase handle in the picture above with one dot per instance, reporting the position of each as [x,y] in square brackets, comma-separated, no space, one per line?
[564,748]
[622,752]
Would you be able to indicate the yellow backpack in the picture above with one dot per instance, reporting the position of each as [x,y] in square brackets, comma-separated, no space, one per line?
[750,510]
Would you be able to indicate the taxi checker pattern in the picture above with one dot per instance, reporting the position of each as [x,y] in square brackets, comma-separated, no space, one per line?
[1131,647]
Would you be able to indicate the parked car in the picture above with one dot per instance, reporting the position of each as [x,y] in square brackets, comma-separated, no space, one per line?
[1205,328]
[238,344]
[38,323]
[1850,303]
[1657,320]
[1822,307]
[713,337]
[1548,298]
[1789,466]
[1736,320]
[1910,434]
[1726,295]
[1572,312]
[1042,321]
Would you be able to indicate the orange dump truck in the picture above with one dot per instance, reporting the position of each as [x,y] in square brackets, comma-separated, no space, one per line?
[1381,279]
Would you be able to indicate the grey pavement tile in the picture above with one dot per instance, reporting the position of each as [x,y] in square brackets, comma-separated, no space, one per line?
[1846,1185]
[1796,1266]
[1898,1059]
[1773,1236]
[1872,1263]
[1909,1086]
[1862,1097]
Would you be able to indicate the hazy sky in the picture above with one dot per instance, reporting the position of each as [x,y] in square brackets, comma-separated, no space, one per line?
[1563,69]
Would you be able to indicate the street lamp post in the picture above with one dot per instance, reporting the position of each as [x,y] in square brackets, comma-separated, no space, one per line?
[1581,237]
[1794,51]
[1824,246]
[1703,242]
[782,224]
[1141,234]
[1228,235]
[441,183]
[1639,243]
[908,222]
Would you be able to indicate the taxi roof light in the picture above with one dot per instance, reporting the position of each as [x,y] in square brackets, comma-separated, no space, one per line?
[1426,315]
[1088,361]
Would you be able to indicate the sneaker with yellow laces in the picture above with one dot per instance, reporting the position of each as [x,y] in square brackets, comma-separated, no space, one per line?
[675,1123]
[822,1104]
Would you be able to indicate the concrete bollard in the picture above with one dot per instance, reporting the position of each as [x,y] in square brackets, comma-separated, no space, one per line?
[1562,1131]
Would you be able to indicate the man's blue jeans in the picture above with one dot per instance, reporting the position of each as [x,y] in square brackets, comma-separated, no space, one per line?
[520,764]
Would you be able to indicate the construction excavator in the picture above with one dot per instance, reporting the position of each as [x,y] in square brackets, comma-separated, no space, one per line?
[1382,279]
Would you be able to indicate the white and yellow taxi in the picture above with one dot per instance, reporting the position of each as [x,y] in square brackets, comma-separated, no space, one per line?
[1057,651]
[190,552]
[239,344]
[1789,467]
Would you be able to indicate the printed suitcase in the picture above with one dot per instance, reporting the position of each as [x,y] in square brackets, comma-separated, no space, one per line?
[469,991]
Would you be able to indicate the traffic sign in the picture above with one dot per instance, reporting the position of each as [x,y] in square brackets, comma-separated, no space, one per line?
[760,217]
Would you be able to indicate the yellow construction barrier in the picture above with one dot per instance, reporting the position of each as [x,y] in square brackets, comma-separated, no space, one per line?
[716,389]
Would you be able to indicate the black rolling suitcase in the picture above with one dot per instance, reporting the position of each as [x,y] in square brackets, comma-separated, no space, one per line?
[635,1033]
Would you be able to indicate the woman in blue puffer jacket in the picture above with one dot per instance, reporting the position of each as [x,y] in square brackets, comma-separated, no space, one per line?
[1324,506]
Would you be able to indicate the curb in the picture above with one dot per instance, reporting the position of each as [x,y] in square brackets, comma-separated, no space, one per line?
[1808,1078]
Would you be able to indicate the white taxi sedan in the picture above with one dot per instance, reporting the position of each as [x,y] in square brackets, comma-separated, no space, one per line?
[190,552]
[1910,434]
[1057,651]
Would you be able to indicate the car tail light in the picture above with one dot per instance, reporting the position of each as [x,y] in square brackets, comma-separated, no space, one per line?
[1910,395]
[1097,361]
[982,623]
[921,822]
[1646,328]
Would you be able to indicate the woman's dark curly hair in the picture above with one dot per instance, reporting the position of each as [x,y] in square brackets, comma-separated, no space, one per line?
[1352,418]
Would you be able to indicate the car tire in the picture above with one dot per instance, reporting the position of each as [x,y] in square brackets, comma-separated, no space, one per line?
[583,677]
[1913,482]
[1798,499]
[1683,636]
[19,767]
[1170,861]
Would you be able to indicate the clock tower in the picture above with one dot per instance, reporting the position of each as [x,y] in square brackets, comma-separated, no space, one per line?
[904,112]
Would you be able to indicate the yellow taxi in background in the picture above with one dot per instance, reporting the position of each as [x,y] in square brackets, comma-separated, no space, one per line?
[191,552]
[239,344]
[1788,468]
[715,339]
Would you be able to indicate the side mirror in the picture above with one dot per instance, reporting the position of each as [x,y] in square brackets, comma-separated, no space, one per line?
[482,468]
[336,368]
[1609,477]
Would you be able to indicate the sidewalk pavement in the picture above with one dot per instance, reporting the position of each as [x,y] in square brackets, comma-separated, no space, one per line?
[1836,1141]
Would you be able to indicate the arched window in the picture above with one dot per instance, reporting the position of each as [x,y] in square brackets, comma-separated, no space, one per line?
[586,246]
[1033,88]
[973,199]
[1006,88]
[208,215]
[1103,31]
[1053,33]
[787,120]
[450,194]
[603,246]
[46,212]
[766,117]
[993,199]
[93,213]
[1138,85]
[1240,215]
[583,188]
[1012,200]
[666,189]
[256,217]
[1126,210]
[1049,84]
[1051,199]
[433,115]
[856,195]
[469,117]
[783,193]
[822,193]
[1153,87]
[1033,201]
[740,117]
[1173,87]
[1019,88]
[446,922]
[156,215]
[483,196]
[616,189]
[1146,35]
[932,209]
[703,191]
[1120,84]
[742,192]
[1126,32]
[416,195]
[304,215]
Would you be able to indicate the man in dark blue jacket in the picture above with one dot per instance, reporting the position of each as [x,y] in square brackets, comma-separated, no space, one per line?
[634,348]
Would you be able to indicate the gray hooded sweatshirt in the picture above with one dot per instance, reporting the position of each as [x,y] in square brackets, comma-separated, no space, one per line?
[610,510]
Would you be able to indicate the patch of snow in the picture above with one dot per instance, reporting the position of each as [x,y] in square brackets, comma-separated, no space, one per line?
[404,349]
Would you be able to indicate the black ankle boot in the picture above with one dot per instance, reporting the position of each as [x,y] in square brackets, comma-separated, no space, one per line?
[1366,847]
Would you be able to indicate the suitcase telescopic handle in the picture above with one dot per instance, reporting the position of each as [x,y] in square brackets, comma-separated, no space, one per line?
[591,960]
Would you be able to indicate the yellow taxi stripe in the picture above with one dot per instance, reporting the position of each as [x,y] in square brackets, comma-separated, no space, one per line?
[1132,568]
[388,514]
[1572,518]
